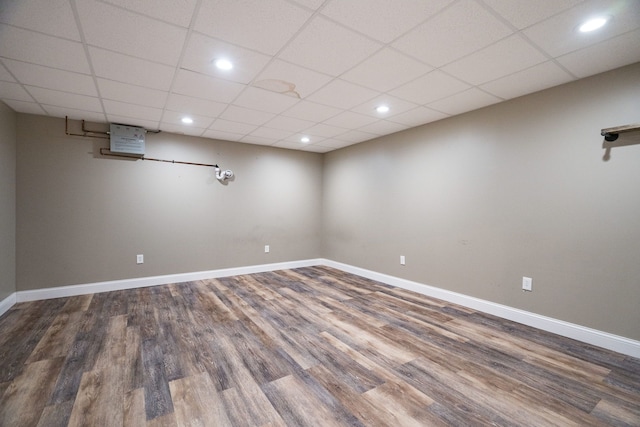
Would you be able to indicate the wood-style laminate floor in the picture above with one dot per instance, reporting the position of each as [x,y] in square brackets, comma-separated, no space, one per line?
[303,347]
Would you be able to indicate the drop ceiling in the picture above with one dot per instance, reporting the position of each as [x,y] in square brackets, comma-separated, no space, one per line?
[310,68]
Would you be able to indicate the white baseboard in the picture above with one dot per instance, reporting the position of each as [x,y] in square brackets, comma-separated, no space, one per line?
[570,330]
[116,285]
[581,333]
[7,303]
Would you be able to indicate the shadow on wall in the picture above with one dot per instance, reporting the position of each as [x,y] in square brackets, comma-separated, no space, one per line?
[623,140]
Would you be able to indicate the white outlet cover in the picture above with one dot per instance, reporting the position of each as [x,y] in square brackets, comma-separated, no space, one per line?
[527,284]
[266,249]
[140,259]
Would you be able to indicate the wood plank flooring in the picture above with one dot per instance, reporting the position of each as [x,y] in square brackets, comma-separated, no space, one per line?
[303,347]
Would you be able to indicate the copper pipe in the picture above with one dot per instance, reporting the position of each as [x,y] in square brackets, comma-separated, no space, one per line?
[86,132]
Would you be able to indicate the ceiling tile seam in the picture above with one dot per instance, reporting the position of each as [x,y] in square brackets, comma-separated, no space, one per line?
[274,57]
[85,49]
[506,21]
[178,65]
[40,32]
[17,81]
[548,56]
[135,12]
[523,35]
[246,85]
[555,59]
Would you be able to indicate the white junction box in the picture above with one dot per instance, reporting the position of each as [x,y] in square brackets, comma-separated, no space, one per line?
[126,139]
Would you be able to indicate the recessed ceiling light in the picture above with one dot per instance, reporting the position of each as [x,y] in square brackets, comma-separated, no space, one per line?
[224,64]
[187,120]
[305,139]
[593,24]
[382,109]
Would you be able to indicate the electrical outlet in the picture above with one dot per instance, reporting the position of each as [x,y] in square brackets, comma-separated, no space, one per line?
[140,259]
[266,249]
[527,284]
[402,260]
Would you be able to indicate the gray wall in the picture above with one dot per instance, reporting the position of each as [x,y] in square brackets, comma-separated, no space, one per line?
[477,201]
[7,201]
[83,219]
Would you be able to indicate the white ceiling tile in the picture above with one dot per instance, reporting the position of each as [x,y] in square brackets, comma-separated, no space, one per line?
[343,95]
[431,87]
[457,31]
[116,108]
[25,107]
[500,59]
[136,35]
[396,106]
[316,148]
[203,51]
[246,115]
[383,20]
[251,139]
[304,81]
[189,105]
[222,135]
[290,145]
[53,17]
[14,91]
[468,100]
[175,118]
[127,69]
[325,131]
[532,79]
[233,127]
[523,13]
[264,100]
[181,129]
[36,48]
[336,143]
[65,99]
[163,10]
[52,78]
[311,4]
[418,116]
[328,47]
[206,87]
[5,76]
[132,121]
[356,136]
[612,53]
[288,123]
[386,70]
[73,114]
[132,94]
[273,134]
[558,35]
[383,127]
[307,110]
[264,26]
[350,120]
[297,138]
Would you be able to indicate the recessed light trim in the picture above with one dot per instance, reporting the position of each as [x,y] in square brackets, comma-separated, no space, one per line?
[223,64]
[382,109]
[593,24]
[187,120]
